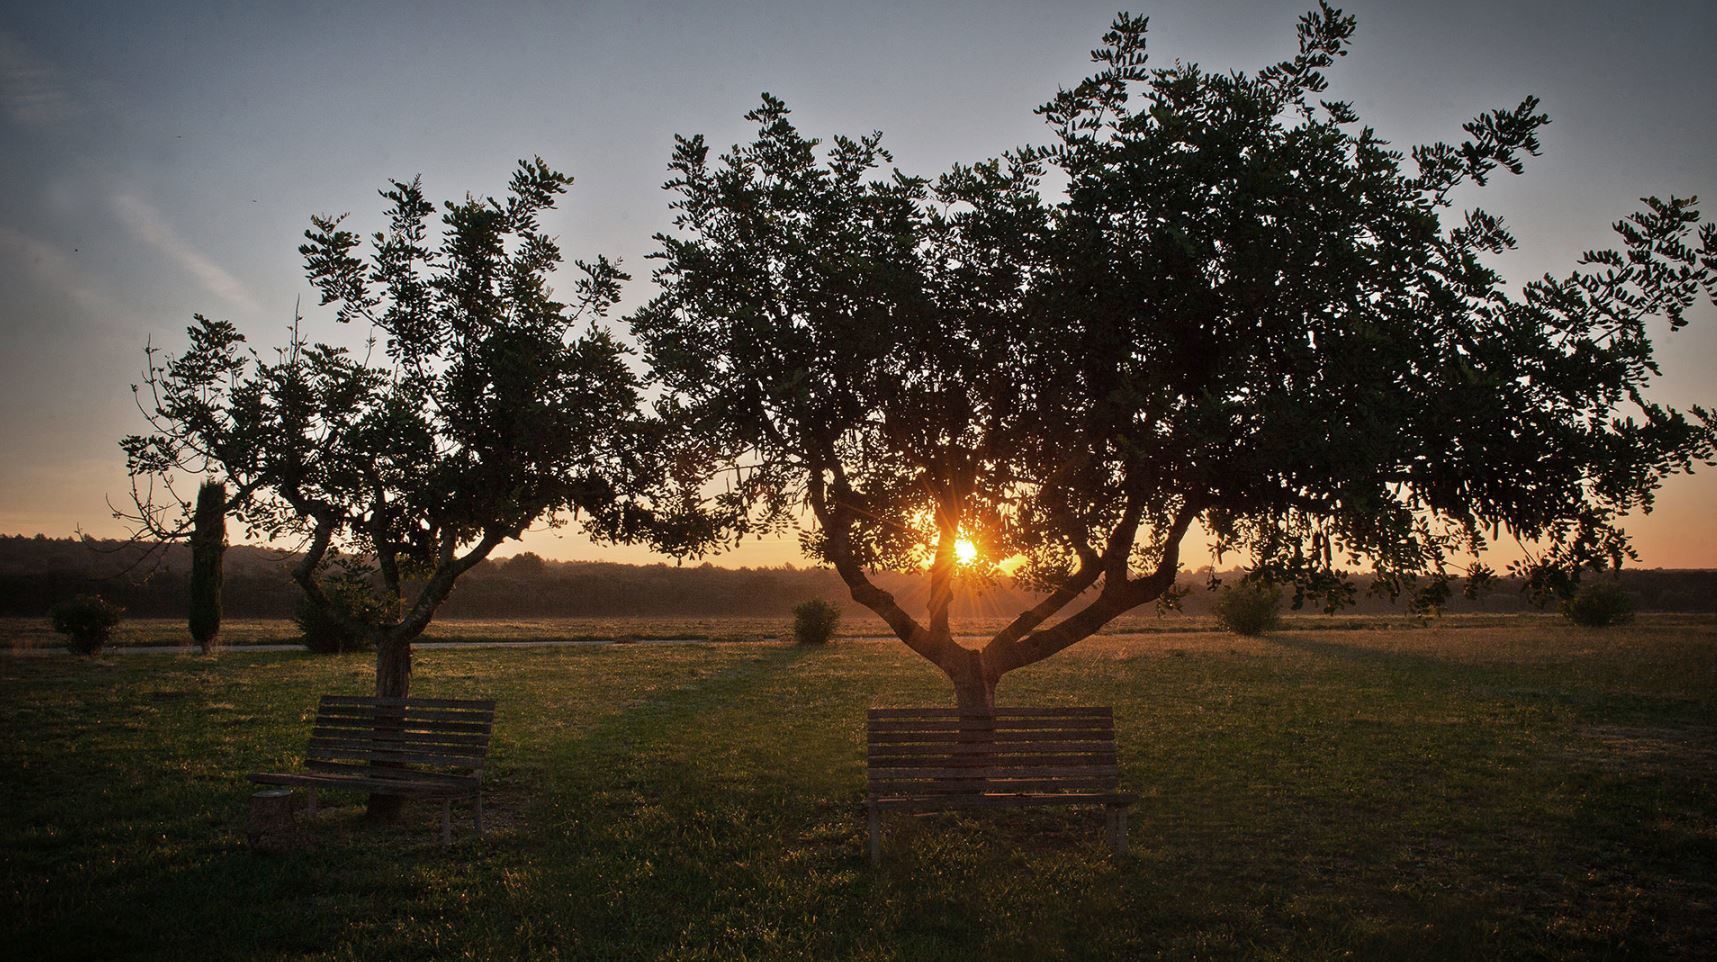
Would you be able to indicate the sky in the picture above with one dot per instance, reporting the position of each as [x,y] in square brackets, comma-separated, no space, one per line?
[163,159]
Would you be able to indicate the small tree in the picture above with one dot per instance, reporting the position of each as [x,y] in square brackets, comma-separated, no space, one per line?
[208,545]
[87,621]
[1244,312]
[480,405]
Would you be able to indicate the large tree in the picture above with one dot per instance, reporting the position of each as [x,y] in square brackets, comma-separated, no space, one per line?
[478,406]
[1240,312]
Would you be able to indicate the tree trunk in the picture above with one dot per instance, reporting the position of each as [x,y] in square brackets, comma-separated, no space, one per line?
[393,680]
[974,688]
[393,668]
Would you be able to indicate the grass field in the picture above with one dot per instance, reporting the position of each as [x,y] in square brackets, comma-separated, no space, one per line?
[35,634]
[1512,790]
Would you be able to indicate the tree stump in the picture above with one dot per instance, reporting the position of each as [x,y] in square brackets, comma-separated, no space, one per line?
[272,826]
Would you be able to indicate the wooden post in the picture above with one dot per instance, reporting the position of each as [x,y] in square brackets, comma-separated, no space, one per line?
[875,835]
[271,825]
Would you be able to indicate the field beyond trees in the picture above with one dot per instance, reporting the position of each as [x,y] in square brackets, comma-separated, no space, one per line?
[1506,789]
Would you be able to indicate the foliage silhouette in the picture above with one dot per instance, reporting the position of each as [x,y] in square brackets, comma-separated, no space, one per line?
[1599,604]
[1244,312]
[1249,608]
[87,621]
[481,405]
[815,622]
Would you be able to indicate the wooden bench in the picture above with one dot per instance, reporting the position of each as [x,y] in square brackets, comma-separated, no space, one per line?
[413,747]
[932,759]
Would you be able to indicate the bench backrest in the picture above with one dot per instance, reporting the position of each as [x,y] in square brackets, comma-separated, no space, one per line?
[916,752]
[435,739]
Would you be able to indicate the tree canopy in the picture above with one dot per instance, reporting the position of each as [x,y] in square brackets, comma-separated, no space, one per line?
[479,406]
[1240,308]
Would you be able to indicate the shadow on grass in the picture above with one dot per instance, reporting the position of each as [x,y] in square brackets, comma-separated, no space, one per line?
[1599,692]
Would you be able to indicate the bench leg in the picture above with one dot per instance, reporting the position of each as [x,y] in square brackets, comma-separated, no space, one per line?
[311,809]
[477,812]
[446,822]
[875,835]
[1118,829]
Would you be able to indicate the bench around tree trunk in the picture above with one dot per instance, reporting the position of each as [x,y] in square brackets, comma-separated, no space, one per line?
[431,748]
[934,759]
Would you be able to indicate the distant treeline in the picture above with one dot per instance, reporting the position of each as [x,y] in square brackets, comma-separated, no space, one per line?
[37,572]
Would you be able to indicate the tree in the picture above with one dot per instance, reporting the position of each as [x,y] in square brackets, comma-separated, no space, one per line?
[1244,314]
[479,406]
[208,544]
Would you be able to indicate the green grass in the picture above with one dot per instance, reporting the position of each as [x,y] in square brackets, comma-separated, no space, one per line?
[1522,790]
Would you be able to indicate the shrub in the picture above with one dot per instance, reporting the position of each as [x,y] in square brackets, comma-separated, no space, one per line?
[320,632]
[815,621]
[88,621]
[1599,604]
[324,634]
[1249,608]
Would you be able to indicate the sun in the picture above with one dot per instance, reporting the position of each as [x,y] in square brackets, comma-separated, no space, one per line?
[965,552]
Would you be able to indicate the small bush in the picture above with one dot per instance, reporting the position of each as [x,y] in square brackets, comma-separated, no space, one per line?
[87,621]
[815,621]
[322,633]
[1249,608]
[1599,604]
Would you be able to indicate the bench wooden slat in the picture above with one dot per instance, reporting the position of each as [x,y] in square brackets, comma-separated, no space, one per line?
[991,724]
[372,753]
[1002,801]
[1022,788]
[891,759]
[376,701]
[390,773]
[401,737]
[417,747]
[403,724]
[427,717]
[938,758]
[992,713]
[395,711]
[982,738]
[383,786]
[899,773]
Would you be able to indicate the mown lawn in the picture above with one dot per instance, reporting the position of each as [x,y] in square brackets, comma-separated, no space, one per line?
[1454,792]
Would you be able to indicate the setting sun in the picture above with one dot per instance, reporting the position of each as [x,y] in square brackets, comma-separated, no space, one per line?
[965,552]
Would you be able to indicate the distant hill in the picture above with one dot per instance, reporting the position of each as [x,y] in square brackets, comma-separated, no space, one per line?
[36,572]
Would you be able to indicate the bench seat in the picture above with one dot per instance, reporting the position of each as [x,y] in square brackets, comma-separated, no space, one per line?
[425,748]
[935,759]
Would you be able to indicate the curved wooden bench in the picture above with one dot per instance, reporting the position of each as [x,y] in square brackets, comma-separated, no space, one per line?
[413,747]
[931,759]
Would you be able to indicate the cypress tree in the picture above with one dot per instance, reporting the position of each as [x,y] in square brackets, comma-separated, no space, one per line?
[208,544]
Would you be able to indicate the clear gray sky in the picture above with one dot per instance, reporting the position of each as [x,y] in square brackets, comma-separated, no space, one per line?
[163,158]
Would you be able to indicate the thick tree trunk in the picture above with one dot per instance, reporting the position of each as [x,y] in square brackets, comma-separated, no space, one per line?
[974,688]
[393,680]
[393,668]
